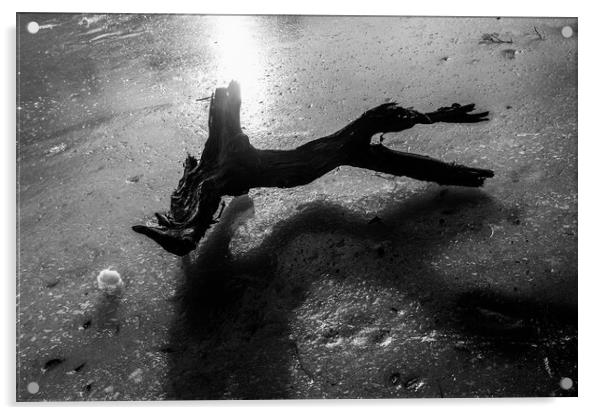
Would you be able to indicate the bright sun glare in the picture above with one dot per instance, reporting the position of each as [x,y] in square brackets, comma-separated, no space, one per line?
[238,55]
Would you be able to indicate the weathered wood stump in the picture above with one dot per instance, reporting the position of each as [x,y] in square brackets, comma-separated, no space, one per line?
[230,165]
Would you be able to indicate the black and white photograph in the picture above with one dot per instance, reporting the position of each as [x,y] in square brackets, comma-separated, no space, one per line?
[221,207]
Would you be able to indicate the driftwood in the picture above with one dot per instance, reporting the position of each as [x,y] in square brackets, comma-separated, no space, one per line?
[230,165]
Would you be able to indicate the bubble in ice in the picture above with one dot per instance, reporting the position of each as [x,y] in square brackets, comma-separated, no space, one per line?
[109,281]
[33,27]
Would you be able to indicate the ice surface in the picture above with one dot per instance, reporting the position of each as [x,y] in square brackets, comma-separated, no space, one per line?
[303,295]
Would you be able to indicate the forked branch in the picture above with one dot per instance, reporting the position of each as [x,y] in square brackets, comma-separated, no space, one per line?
[230,165]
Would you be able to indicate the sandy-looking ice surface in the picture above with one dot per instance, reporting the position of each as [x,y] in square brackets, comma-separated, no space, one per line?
[356,285]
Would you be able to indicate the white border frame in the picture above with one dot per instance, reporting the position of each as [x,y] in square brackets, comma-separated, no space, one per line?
[589,228]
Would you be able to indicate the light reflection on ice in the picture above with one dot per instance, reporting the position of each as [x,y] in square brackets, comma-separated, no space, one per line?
[239,56]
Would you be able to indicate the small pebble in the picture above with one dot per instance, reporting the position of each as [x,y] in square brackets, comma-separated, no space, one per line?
[134,179]
[80,367]
[51,282]
[375,219]
[509,53]
[109,282]
[52,363]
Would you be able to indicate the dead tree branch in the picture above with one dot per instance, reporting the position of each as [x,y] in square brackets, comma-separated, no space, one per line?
[230,165]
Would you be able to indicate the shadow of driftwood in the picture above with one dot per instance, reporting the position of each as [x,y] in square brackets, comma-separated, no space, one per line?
[230,336]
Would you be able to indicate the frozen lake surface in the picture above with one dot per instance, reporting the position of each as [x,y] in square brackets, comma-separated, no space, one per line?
[297,293]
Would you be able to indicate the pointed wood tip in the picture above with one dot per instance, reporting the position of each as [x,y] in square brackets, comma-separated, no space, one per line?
[174,244]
